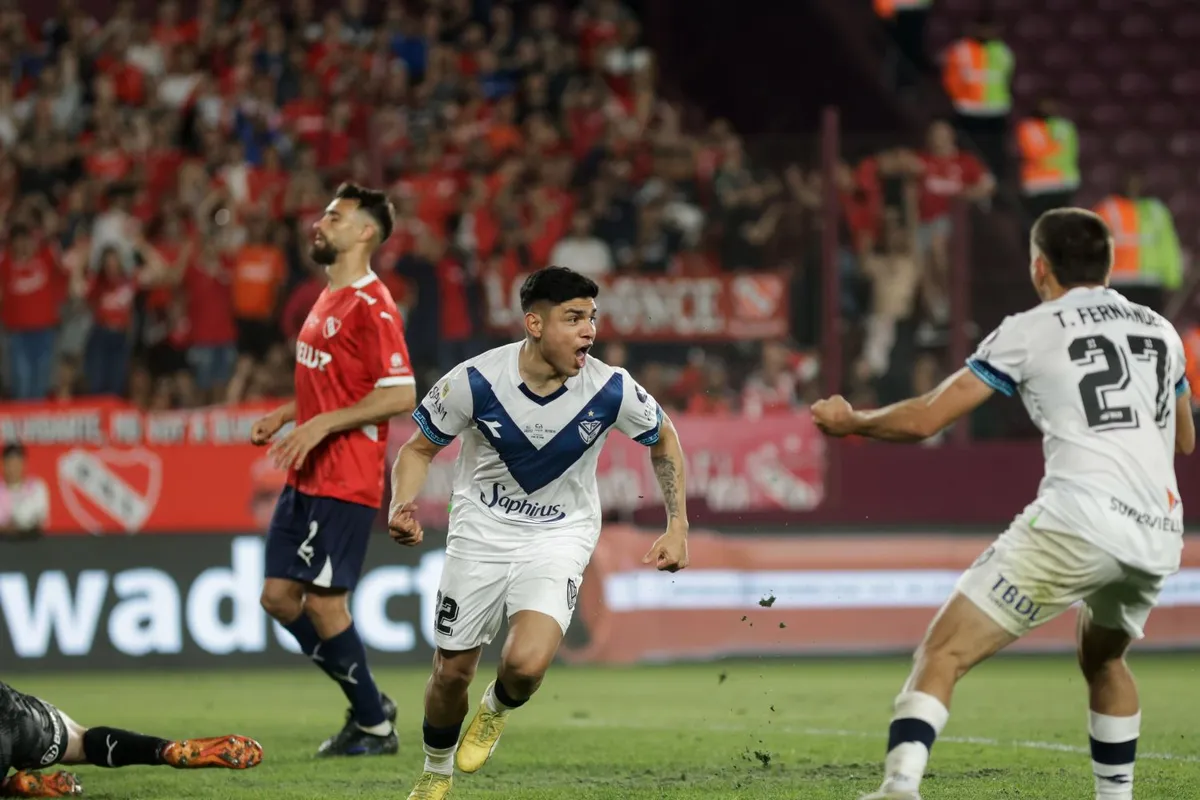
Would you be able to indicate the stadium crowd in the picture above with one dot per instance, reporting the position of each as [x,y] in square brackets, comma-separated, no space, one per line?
[159,177]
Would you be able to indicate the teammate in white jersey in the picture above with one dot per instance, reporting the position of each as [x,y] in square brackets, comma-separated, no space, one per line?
[1103,379]
[525,515]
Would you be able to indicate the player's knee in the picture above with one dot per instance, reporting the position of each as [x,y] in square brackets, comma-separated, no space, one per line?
[1100,650]
[330,613]
[281,605]
[1100,667]
[522,679]
[523,671]
[452,675]
[944,658]
[326,606]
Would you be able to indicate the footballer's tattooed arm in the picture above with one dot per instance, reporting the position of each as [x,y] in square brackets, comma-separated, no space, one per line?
[668,482]
[666,455]
[669,552]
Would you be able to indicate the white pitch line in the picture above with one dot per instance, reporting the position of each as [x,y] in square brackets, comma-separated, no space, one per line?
[1021,744]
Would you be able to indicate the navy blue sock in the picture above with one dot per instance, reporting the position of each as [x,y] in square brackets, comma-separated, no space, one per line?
[911,730]
[305,633]
[310,642]
[505,698]
[440,738]
[346,662]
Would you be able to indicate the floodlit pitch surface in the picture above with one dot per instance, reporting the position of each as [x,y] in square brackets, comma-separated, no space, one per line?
[805,730]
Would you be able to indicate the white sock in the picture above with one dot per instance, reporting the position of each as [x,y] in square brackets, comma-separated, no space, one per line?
[492,702]
[382,729]
[1114,750]
[918,721]
[439,760]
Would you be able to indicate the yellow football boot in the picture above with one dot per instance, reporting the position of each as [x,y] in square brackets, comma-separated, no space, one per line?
[483,734]
[431,786]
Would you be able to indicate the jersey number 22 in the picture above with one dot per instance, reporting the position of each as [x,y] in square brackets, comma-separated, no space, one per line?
[1096,389]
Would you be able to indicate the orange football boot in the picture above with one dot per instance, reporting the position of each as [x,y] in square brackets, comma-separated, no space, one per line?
[37,784]
[231,752]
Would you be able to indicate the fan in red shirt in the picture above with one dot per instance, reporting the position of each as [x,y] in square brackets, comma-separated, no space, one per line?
[170,31]
[208,285]
[107,161]
[455,327]
[352,376]
[268,183]
[110,292]
[338,142]
[775,386]
[434,187]
[586,120]
[946,173]
[162,161]
[31,291]
[305,116]
[597,29]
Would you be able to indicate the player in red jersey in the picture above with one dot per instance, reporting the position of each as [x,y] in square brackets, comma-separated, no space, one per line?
[352,376]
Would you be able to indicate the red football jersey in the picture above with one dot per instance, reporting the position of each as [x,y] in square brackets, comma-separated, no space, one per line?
[351,342]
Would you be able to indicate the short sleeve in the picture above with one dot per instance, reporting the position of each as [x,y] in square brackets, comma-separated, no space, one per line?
[385,351]
[1180,367]
[640,417]
[446,409]
[1001,357]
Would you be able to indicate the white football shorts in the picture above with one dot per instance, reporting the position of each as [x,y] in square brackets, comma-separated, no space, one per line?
[1028,577]
[475,597]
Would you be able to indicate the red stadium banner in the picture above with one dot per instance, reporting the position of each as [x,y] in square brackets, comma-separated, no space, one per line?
[748,305]
[111,469]
[792,595]
[734,465]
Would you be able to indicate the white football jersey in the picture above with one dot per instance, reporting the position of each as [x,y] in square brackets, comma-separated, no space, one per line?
[1099,376]
[525,479]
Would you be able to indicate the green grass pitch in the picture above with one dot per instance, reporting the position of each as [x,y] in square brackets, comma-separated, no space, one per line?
[807,730]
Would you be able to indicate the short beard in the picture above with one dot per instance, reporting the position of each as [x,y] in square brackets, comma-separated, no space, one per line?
[324,254]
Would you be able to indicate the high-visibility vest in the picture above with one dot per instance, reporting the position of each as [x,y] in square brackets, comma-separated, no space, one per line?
[1049,155]
[977,76]
[1191,348]
[1145,246]
[886,9]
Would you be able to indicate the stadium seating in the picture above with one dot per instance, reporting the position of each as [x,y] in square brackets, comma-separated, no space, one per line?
[182,139]
[1125,72]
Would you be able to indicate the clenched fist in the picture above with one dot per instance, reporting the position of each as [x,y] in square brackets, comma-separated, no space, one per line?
[403,526]
[834,416]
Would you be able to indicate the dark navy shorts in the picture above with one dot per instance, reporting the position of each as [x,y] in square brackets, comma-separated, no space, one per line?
[318,540]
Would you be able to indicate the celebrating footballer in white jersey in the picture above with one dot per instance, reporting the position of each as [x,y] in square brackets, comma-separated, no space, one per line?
[532,417]
[1103,379]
